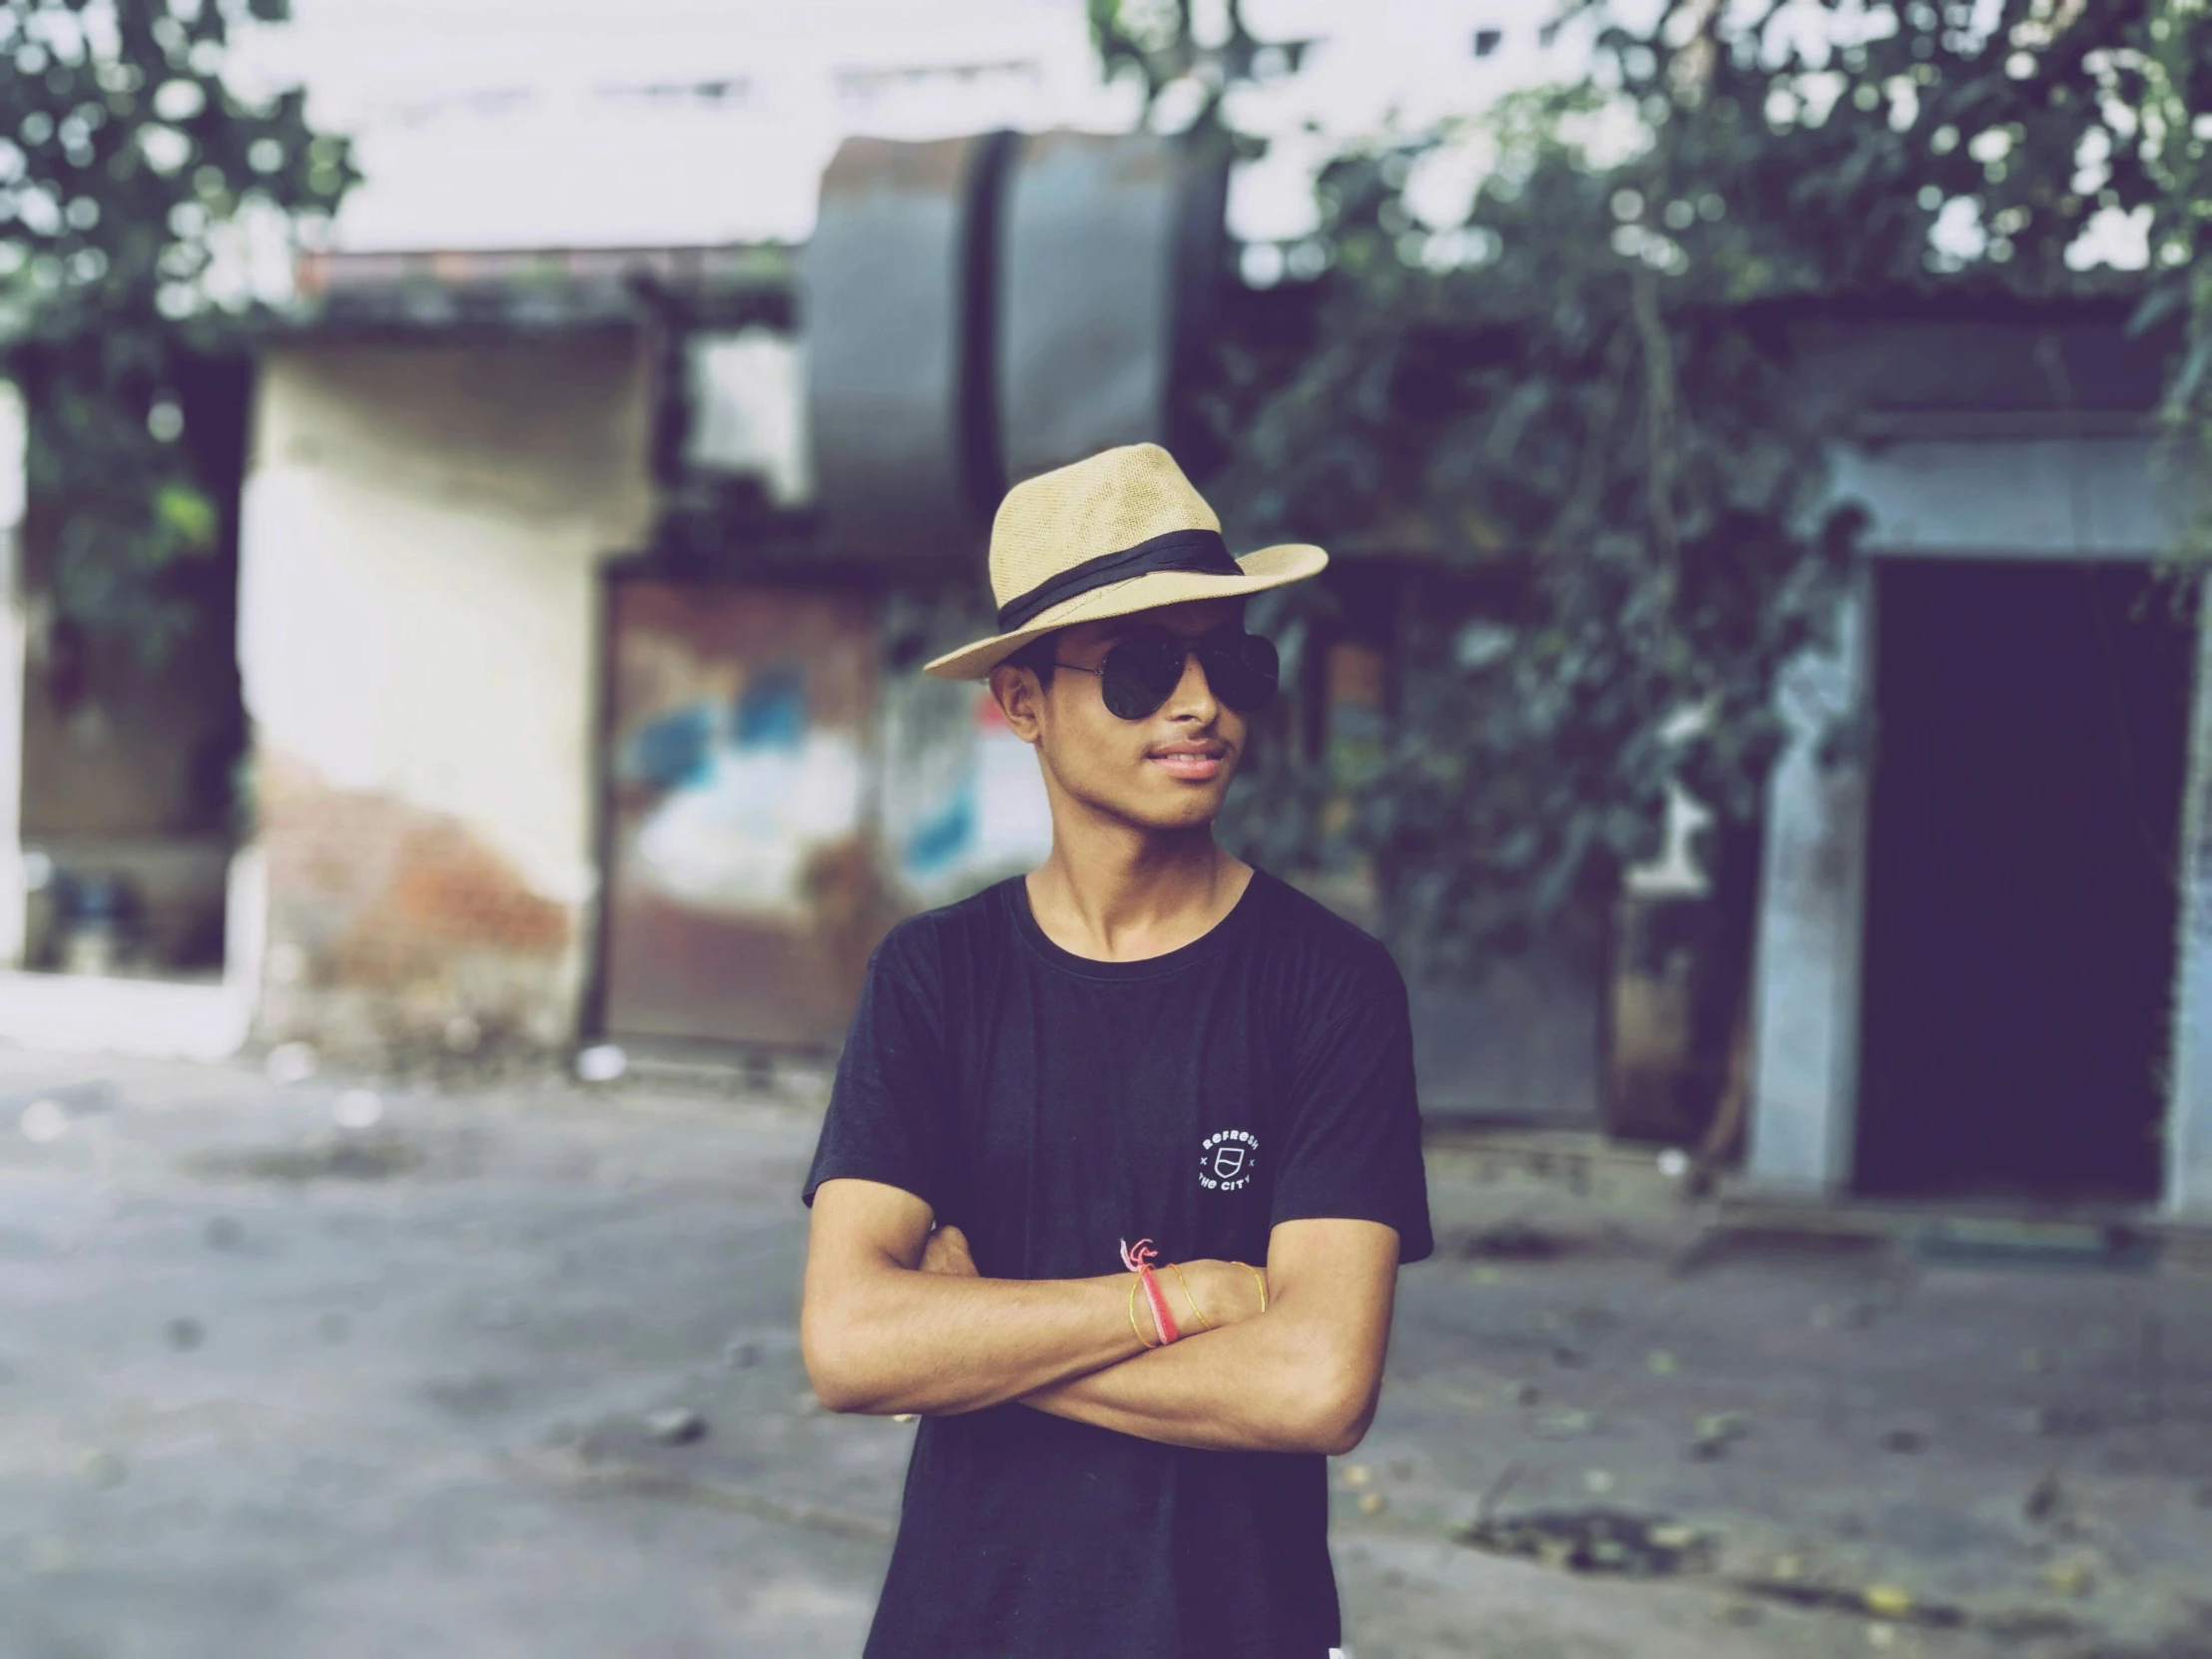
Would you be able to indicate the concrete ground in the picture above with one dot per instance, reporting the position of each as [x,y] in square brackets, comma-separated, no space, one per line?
[279,1380]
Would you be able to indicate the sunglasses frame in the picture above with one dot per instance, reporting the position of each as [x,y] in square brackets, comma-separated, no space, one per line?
[1227,644]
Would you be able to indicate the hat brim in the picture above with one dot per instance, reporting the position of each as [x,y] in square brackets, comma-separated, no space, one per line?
[1269,567]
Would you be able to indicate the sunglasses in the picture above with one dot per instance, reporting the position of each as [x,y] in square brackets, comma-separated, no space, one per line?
[1143,668]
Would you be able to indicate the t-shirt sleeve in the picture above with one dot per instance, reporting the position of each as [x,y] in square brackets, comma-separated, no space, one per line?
[1353,1149]
[886,1107]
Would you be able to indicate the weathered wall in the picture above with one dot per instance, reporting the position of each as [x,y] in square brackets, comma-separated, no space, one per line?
[2007,496]
[1804,1010]
[417,597]
[2189,1126]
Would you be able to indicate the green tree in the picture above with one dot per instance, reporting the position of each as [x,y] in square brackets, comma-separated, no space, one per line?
[126,163]
[1582,393]
[2175,73]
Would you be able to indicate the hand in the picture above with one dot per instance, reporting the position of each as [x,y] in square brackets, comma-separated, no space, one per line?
[946,1252]
[1227,1293]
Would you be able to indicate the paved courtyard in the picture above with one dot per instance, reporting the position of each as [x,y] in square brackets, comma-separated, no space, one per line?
[345,1368]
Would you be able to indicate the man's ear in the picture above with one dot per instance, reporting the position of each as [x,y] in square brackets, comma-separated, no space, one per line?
[1019,697]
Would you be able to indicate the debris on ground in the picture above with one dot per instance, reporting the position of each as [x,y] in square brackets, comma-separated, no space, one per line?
[1516,1243]
[292,1063]
[354,1158]
[1565,1426]
[1891,1603]
[2037,1624]
[676,1425]
[2061,1421]
[357,1109]
[1597,1541]
[1728,1244]
[1994,1240]
[2045,1500]
[1715,1432]
[2069,1579]
[601,1063]
[44,1121]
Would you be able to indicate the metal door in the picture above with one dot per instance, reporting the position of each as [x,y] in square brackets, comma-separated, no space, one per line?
[741,893]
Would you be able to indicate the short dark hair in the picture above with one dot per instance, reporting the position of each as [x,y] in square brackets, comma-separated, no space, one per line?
[1038,656]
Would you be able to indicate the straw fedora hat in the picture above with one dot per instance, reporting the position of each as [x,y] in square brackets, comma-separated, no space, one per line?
[1123,531]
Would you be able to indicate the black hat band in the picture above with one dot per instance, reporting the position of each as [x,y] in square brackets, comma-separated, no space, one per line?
[1196,552]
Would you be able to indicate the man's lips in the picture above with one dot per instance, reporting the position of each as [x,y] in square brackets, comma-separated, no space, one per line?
[1195,761]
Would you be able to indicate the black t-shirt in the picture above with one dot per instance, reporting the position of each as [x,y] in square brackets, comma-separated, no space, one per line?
[1051,1107]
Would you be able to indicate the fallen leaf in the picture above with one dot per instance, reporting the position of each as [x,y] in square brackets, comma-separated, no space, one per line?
[1888,1601]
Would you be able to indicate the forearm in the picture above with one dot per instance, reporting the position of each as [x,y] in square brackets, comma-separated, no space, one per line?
[901,1340]
[1279,1383]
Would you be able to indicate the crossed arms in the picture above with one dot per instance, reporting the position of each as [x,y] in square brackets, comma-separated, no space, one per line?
[895,1320]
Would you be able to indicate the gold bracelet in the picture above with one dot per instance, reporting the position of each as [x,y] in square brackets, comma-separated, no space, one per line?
[1134,1285]
[1204,1324]
[1262,1280]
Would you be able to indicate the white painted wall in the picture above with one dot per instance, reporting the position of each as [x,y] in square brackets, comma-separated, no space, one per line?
[417,576]
[2053,497]
[1805,1011]
[2189,1111]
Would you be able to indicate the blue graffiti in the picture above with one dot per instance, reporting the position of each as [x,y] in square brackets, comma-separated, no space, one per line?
[676,749]
[673,749]
[772,712]
[941,839]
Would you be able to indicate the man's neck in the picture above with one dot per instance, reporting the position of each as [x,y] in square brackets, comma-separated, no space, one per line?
[1121,894]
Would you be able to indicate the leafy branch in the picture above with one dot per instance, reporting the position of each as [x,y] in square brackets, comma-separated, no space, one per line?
[1576,402]
[131,178]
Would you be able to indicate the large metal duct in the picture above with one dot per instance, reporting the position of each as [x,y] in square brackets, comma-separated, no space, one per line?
[1111,252]
[897,292]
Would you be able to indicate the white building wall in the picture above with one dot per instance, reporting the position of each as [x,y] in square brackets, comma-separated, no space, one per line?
[417,592]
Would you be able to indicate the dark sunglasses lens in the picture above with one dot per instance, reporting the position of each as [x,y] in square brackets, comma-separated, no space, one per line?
[1140,674]
[1243,670]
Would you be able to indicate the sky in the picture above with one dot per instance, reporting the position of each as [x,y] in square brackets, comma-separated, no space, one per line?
[483,124]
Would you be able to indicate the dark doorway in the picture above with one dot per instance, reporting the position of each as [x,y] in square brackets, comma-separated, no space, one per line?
[133,737]
[2022,891]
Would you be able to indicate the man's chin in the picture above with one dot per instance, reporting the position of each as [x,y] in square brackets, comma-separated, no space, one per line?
[1188,809]
[1155,803]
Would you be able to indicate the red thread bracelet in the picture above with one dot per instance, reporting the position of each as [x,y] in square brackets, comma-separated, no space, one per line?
[1138,1258]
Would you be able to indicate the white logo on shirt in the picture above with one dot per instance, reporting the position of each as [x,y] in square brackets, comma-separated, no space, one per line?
[1224,1159]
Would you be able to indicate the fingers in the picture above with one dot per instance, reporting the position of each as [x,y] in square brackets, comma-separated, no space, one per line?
[1228,1291]
[946,1252]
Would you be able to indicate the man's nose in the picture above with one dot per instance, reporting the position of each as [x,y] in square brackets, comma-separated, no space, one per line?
[1193,698]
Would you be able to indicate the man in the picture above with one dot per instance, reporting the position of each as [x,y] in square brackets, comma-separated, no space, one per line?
[1143,1055]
